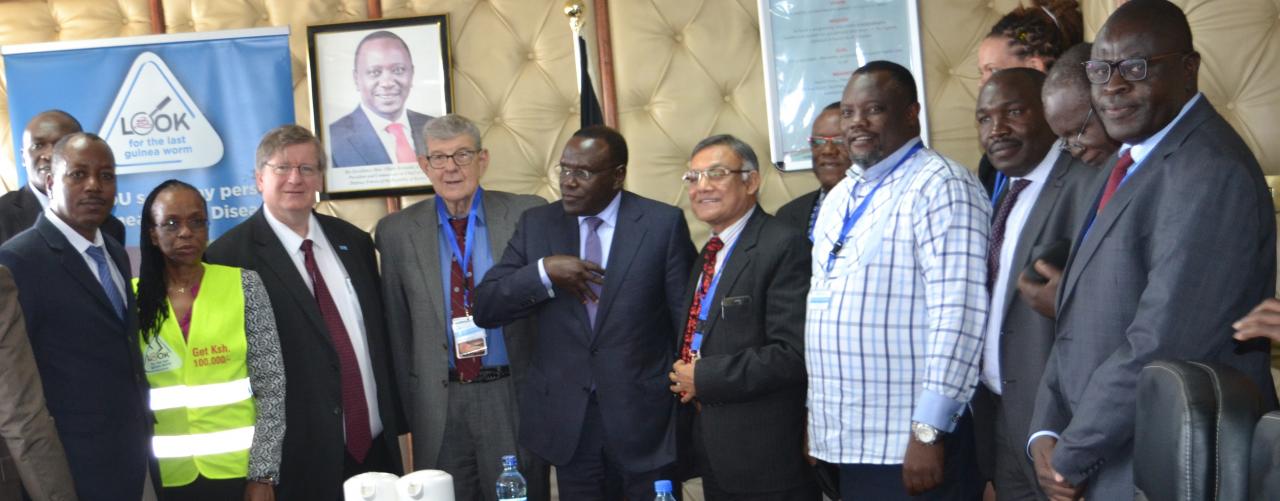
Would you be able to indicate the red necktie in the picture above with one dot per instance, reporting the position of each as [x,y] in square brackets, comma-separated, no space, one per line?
[404,149]
[355,411]
[708,273]
[1117,175]
[459,287]
[997,230]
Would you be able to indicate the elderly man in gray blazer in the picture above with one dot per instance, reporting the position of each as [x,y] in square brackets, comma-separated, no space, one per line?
[1181,244]
[458,381]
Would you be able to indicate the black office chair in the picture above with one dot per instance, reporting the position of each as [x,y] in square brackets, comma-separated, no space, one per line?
[1264,462]
[1194,431]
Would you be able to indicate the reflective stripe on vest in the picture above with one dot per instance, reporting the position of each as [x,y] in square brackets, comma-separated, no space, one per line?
[200,387]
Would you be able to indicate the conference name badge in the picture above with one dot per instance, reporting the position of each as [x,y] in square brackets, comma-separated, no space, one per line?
[469,340]
[820,299]
[159,356]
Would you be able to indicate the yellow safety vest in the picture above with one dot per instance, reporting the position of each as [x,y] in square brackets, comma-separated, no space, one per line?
[200,388]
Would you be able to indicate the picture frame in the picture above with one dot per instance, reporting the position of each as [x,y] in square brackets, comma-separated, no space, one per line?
[374,85]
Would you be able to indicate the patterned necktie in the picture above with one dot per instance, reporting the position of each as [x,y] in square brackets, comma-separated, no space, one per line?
[355,410]
[404,149]
[997,230]
[460,286]
[594,254]
[1117,175]
[708,273]
[104,278]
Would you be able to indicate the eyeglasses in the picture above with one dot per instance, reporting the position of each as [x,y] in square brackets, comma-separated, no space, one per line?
[713,174]
[304,169]
[1074,147]
[1132,70]
[582,174]
[816,142]
[461,158]
[173,226]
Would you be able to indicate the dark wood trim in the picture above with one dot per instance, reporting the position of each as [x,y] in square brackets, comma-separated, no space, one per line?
[604,47]
[157,16]
[375,9]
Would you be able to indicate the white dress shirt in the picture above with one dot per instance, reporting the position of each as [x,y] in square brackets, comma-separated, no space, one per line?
[1012,231]
[82,245]
[609,216]
[380,128]
[730,237]
[344,297]
[41,197]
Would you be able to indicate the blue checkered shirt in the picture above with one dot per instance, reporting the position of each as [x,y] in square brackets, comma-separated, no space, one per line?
[901,337]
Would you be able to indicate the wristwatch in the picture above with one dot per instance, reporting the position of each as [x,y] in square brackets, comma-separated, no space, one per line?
[924,433]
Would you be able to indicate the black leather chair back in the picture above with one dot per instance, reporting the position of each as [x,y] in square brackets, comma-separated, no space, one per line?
[1264,463]
[1193,432]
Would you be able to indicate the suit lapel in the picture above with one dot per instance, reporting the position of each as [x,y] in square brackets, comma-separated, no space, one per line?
[276,261]
[738,261]
[1035,225]
[426,243]
[74,263]
[622,251]
[362,143]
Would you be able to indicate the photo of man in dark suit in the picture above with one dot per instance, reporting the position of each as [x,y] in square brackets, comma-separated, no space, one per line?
[381,130]
[741,371]
[19,208]
[604,273]
[82,323]
[1040,207]
[1180,245]
[342,414]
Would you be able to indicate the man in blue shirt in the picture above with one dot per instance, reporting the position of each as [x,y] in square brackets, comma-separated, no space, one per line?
[458,381]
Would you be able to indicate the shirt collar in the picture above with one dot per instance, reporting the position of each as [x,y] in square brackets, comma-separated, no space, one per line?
[77,240]
[730,234]
[884,166]
[380,124]
[40,197]
[291,241]
[610,213]
[1041,172]
[479,214]
[1144,148]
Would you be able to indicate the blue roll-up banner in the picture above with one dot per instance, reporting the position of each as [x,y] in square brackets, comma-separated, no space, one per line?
[187,106]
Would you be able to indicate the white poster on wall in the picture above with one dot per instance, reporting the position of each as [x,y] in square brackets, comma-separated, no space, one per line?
[810,47]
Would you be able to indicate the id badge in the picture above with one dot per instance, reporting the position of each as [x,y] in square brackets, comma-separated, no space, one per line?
[469,340]
[820,299]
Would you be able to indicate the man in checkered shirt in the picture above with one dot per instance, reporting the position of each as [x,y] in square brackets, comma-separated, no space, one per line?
[897,304]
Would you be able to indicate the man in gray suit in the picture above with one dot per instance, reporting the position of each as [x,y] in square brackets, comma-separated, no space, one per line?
[1181,244]
[458,381]
[1040,207]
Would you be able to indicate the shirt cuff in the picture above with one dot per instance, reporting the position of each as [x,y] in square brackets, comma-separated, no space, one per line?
[938,411]
[546,281]
[1038,434]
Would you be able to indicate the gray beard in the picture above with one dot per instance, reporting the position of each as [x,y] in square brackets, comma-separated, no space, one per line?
[866,161]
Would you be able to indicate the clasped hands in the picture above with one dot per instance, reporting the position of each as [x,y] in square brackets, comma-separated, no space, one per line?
[681,377]
[1052,483]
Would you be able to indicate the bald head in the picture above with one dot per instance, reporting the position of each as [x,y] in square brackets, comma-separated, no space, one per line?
[42,132]
[1160,20]
[1011,123]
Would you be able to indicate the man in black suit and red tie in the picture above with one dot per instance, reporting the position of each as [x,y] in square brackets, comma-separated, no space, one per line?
[741,371]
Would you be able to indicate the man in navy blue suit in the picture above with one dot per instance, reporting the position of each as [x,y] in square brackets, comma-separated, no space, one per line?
[381,130]
[82,324]
[604,274]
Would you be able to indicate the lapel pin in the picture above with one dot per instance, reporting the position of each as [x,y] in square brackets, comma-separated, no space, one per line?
[342,247]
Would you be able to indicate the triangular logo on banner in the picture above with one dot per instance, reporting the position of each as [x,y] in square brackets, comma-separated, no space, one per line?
[155,126]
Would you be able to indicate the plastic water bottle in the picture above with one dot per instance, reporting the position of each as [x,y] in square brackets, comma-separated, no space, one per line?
[511,486]
[663,488]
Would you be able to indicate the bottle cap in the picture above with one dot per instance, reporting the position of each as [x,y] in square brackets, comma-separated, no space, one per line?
[508,460]
[662,486]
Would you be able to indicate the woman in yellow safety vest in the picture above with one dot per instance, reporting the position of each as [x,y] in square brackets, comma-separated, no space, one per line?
[212,357]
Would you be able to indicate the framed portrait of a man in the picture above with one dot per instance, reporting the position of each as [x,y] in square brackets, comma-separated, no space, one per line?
[374,85]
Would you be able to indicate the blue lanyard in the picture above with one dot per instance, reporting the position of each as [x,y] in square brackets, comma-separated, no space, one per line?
[464,259]
[703,309]
[851,218]
[1001,180]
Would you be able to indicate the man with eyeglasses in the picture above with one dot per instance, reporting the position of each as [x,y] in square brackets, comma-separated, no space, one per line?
[741,366]
[1180,244]
[1038,212]
[82,324]
[381,130]
[830,161]
[1069,109]
[602,275]
[341,410]
[896,305]
[19,208]
[462,415]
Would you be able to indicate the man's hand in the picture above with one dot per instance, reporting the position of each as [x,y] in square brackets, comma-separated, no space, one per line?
[574,275]
[1042,296]
[1052,483]
[681,376]
[1263,321]
[922,466]
[258,491]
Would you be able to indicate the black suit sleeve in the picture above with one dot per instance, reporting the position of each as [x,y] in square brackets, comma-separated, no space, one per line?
[680,255]
[782,286]
[512,289]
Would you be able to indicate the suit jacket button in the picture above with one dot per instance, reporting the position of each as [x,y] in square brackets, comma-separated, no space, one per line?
[595,351]
[586,389]
[444,383]
[337,411]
